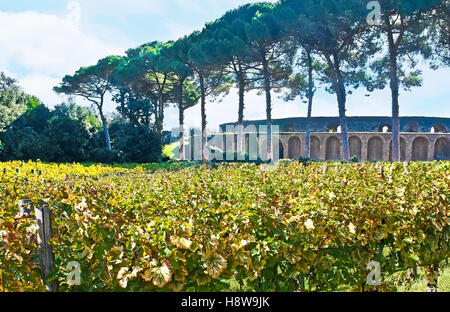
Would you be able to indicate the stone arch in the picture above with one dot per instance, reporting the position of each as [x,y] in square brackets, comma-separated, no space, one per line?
[355,147]
[333,127]
[420,149]
[385,128]
[315,148]
[442,149]
[288,128]
[375,149]
[294,148]
[333,149]
[281,151]
[412,127]
[438,129]
[402,150]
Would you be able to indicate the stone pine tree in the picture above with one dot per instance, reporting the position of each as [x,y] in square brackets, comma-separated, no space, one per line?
[93,83]
[138,103]
[403,26]
[234,50]
[440,32]
[344,41]
[184,92]
[274,55]
[147,63]
[303,83]
[194,51]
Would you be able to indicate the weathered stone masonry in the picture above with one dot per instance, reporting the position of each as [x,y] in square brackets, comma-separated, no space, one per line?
[422,138]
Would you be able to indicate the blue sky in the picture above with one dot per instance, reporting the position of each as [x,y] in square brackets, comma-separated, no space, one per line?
[41,41]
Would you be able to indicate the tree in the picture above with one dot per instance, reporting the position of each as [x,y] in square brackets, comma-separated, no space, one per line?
[344,41]
[13,101]
[302,84]
[76,127]
[403,24]
[194,51]
[274,53]
[184,91]
[233,49]
[440,31]
[92,83]
[135,144]
[134,93]
[147,63]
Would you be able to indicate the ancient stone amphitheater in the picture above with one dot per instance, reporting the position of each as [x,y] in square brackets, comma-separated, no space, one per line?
[422,138]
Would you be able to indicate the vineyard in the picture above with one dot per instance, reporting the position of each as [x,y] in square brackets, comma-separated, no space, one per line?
[284,227]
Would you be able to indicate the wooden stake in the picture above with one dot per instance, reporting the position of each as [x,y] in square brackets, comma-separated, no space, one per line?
[46,257]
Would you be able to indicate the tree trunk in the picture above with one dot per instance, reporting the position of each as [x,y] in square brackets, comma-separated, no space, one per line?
[181,116]
[122,107]
[160,118]
[342,98]
[267,88]
[106,130]
[105,125]
[394,84]
[204,123]
[310,103]
[240,138]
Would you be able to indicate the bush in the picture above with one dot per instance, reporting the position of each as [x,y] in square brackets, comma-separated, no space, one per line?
[137,144]
[102,155]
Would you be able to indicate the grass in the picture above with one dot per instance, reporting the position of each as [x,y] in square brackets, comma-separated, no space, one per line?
[171,150]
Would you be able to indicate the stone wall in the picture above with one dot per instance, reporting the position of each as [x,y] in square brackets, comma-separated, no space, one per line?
[367,146]
[356,124]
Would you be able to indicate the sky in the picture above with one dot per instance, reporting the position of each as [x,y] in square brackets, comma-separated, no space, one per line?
[41,41]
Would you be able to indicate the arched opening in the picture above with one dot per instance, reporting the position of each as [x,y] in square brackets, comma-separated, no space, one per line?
[333,149]
[420,149]
[412,127]
[247,143]
[289,128]
[375,149]
[402,150]
[281,151]
[333,127]
[442,149]
[355,147]
[438,129]
[315,148]
[294,145]
[385,128]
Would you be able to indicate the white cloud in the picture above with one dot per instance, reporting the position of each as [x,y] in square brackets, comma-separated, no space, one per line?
[47,44]
[74,15]
[41,48]
[41,86]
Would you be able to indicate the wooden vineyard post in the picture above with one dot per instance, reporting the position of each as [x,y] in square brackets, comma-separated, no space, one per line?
[25,207]
[46,257]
